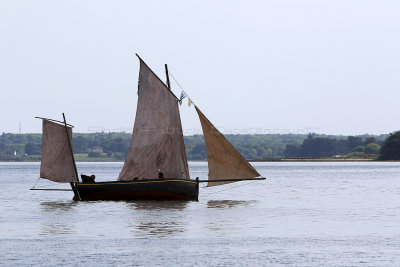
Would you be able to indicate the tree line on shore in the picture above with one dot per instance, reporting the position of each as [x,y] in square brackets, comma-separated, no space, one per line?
[114,146]
[321,147]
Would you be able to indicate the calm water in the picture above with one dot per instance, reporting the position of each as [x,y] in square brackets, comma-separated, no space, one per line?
[305,214]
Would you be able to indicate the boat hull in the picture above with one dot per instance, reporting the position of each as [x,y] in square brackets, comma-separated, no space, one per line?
[168,189]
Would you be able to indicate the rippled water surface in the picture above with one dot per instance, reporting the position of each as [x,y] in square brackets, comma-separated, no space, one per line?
[305,214]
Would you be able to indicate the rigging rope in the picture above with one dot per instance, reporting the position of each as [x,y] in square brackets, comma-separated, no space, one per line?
[186,95]
[41,187]
[231,188]
[176,80]
[36,183]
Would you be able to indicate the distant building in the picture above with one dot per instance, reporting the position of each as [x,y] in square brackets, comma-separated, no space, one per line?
[97,149]
[19,153]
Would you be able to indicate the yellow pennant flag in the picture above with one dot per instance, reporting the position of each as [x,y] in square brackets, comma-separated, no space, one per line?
[189,101]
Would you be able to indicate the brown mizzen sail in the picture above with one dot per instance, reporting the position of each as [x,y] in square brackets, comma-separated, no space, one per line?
[157,139]
[224,161]
[57,159]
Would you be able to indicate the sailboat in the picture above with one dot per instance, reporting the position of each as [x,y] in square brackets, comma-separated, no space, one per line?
[156,166]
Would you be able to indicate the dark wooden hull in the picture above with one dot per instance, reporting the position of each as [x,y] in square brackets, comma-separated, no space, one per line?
[167,189]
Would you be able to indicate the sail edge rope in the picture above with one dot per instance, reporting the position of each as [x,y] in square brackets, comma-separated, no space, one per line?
[231,188]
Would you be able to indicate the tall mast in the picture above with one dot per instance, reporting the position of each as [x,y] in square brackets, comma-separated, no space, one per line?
[166,72]
[73,184]
[70,148]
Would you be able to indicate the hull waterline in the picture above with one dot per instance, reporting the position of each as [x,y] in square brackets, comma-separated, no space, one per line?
[168,189]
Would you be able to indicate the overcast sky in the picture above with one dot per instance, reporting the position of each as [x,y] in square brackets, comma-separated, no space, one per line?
[266,66]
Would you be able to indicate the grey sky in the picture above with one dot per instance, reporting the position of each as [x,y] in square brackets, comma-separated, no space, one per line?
[328,66]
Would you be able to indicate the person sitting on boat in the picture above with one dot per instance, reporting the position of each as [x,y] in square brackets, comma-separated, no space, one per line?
[161,176]
[88,179]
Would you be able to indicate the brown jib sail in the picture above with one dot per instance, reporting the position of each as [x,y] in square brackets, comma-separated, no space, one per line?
[224,161]
[57,160]
[157,140]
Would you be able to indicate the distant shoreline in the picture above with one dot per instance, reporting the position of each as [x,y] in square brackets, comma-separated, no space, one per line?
[323,160]
[256,160]
[317,160]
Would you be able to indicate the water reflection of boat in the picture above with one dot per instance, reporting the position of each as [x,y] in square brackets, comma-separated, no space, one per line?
[156,166]
[158,229]
[60,206]
[224,204]
[144,205]
[56,216]
[169,222]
